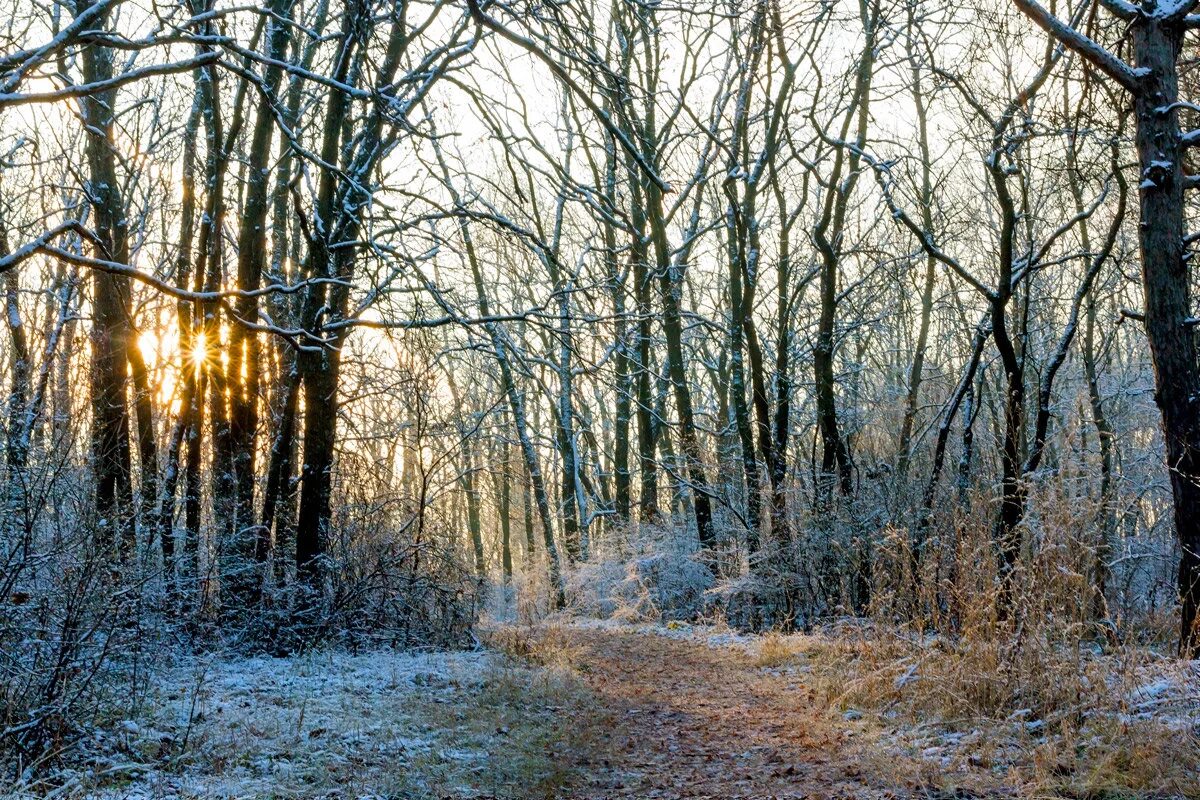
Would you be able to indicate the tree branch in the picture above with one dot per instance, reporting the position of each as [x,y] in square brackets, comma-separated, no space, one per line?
[532,47]
[1105,61]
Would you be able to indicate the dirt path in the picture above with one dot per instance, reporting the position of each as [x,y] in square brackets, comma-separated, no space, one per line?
[692,721]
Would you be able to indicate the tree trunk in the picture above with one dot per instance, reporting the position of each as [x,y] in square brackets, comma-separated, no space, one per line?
[504,511]
[836,464]
[274,525]
[247,551]
[670,281]
[622,483]
[1157,44]
[1106,436]
[474,525]
[111,329]
[916,369]
[319,370]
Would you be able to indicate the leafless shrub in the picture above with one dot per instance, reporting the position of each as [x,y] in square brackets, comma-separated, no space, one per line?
[74,635]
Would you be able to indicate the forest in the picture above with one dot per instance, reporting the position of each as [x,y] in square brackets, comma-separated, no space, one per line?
[553,398]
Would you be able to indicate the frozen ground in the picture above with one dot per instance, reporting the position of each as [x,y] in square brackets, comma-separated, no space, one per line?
[590,709]
[381,724]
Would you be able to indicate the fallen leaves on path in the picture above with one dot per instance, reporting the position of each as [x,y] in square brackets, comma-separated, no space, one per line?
[690,721]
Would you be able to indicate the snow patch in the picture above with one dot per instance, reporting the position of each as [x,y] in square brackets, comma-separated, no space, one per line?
[249,727]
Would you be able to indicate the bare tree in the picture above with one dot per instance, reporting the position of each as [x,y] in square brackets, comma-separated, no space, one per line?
[1157,30]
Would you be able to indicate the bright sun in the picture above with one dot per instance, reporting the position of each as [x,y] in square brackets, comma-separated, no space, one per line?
[199,350]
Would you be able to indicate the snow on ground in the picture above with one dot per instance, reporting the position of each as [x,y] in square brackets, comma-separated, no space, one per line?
[388,724]
[327,724]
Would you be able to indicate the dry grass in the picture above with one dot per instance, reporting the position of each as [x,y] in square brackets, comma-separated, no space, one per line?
[547,647]
[774,650]
[1040,702]
[1025,707]
[983,715]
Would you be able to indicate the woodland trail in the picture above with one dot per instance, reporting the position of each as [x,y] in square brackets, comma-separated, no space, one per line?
[694,721]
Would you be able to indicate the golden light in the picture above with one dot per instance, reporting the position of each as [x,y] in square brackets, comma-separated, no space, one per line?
[159,353]
[199,352]
[158,348]
[149,345]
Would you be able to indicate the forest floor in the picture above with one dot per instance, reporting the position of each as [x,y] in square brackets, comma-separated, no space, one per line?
[591,710]
[708,713]
[695,719]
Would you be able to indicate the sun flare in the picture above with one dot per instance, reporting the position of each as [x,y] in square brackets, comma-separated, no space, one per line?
[199,351]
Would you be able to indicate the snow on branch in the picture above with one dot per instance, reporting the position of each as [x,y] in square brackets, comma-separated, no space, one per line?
[18,64]
[1108,63]
[1121,8]
[87,89]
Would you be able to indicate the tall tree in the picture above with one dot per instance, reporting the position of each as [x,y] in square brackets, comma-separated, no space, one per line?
[1157,29]
[112,334]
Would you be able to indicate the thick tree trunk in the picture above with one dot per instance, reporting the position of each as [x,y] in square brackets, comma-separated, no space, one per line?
[16,451]
[966,453]
[527,518]
[1012,485]
[742,257]
[274,525]
[574,537]
[835,456]
[320,381]
[1157,44]
[1158,29]
[16,445]
[836,464]
[623,414]
[319,370]
[737,396]
[647,464]
[781,422]
[503,479]
[192,487]
[1106,436]
[143,405]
